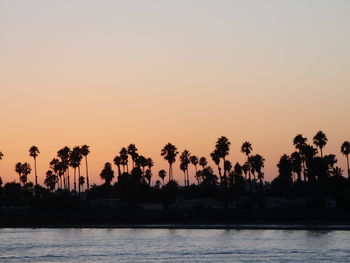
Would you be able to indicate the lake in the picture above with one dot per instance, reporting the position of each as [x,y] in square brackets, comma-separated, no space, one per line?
[172,245]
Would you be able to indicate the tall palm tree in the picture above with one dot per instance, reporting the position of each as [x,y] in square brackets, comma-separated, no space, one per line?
[64,154]
[18,169]
[320,140]
[51,180]
[169,152]
[183,168]
[142,163]
[84,150]
[194,161]
[25,169]
[223,147]
[203,162]
[150,163]
[299,142]
[216,159]
[246,148]
[258,162]
[34,152]
[245,169]
[162,175]
[185,161]
[75,159]
[55,165]
[132,151]
[1,156]
[81,182]
[124,159]
[345,149]
[296,164]
[107,174]
[148,176]
[118,162]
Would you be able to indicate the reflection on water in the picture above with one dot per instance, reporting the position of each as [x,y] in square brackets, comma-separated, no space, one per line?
[163,245]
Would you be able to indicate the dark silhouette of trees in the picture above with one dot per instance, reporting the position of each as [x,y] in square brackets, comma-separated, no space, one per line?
[216,159]
[132,151]
[203,162]
[345,149]
[169,152]
[246,148]
[118,162]
[85,152]
[299,142]
[23,169]
[320,140]
[162,175]
[64,155]
[107,174]
[51,180]
[184,162]
[296,164]
[81,183]
[34,152]
[75,160]
[124,159]
[194,161]
[222,147]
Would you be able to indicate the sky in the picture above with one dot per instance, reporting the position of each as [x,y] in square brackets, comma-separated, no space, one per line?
[110,73]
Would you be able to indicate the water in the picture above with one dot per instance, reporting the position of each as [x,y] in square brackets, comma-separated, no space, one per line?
[167,245]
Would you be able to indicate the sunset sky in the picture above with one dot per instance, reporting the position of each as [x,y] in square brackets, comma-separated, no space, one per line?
[111,73]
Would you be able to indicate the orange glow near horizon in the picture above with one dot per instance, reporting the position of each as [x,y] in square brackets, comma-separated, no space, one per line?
[116,73]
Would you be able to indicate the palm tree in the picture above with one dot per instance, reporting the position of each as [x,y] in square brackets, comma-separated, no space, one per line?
[25,170]
[345,149]
[142,163]
[216,159]
[1,155]
[148,176]
[55,165]
[162,175]
[258,163]
[203,162]
[124,159]
[185,161]
[320,140]
[51,180]
[299,142]
[81,182]
[84,150]
[194,161]
[183,168]
[245,169]
[118,162]
[34,152]
[246,148]
[18,169]
[150,163]
[223,147]
[132,151]
[169,152]
[107,174]
[75,159]
[64,154]
[296,164]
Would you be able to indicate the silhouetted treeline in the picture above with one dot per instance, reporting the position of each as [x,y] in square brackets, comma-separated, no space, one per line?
[307,172]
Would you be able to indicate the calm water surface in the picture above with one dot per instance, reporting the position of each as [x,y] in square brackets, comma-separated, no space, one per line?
[166,245]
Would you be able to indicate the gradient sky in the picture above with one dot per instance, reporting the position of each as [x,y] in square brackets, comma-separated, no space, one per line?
[110,73]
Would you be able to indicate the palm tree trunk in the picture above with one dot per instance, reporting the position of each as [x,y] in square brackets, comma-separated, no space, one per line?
[68,179]
[347,160]
[87,174]
[36,177]
[169,172]
[75,180]
[188,178]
